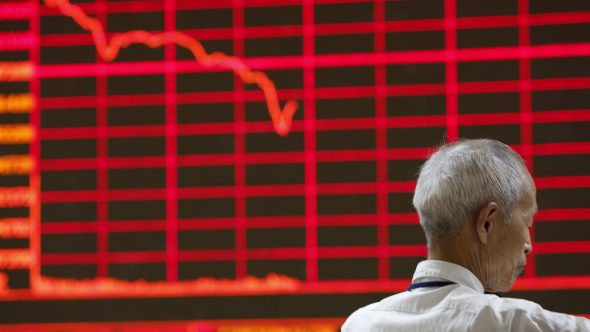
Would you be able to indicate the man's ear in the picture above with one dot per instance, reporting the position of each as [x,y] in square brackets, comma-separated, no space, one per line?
[484,222]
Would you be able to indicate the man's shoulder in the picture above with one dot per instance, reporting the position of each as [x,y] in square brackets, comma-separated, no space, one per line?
[363,319]
[531,316]
[412,311]
[460,309]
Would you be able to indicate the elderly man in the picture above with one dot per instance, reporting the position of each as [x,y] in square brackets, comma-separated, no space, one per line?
[476,201]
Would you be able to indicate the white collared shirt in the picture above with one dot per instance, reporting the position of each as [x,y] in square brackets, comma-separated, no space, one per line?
[461,306]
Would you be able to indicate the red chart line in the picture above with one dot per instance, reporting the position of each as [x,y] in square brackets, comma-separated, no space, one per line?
[109,49]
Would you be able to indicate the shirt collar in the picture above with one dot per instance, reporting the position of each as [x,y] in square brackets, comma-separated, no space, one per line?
[447,271]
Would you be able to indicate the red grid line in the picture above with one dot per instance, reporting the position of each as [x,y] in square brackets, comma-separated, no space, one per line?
[321,93]
[561,148]
[137,257]
[271,190]
[102,162]
[289,157]
[229,254]
[563,214]
[276,221]
[526,129]
[311,240]
[35,148]
[410,218]
[131,6]
[109,195]
[410,250]
[69,259]
[322,125]
[563,182]
[206,223]
[228,223]
[417,250]
[69,227]
[495,86]
[560,83]
[18,11]
[139,226]
[282,190]
[381,141]
[330,60]
[326,287]
[329,28]
[544,248]
[206,255]
[562,282]
[214,192]
[74,227]
[113,132]
[239,146]
[90,163]
[568,115]
[277,253]
[451,87]
[16,41]
[94,258]
[226,159]
[124,7]
[171,148]
[559,18]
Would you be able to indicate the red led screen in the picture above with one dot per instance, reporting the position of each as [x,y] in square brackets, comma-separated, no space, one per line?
[191,148]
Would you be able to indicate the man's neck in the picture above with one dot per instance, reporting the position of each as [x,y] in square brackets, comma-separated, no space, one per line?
[458,250]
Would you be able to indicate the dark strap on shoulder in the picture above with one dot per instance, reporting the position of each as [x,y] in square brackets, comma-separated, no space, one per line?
[430,284]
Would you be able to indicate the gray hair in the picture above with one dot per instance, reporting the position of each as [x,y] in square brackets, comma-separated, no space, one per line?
[461,177]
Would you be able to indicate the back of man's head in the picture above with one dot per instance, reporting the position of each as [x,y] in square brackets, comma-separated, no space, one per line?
[461,177]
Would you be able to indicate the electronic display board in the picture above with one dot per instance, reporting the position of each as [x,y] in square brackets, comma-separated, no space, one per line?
[249,149]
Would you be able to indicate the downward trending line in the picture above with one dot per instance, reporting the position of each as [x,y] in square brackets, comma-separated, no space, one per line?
[108,51]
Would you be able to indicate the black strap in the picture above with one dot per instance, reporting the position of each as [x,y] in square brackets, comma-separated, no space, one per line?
[430,284]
